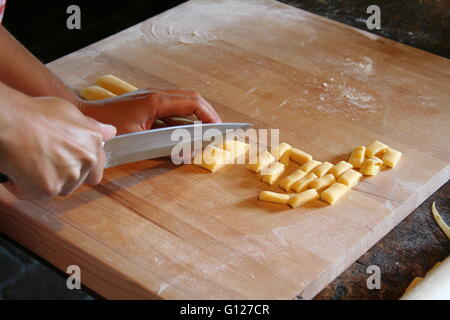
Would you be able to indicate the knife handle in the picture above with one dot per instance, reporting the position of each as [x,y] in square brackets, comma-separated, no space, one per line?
[3,178]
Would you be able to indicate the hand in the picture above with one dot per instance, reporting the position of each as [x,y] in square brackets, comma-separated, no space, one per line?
[138,110]
[48,147]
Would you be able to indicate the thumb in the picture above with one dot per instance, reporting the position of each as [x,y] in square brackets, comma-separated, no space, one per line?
[108,131]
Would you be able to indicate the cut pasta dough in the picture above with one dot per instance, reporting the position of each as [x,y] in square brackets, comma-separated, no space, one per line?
[212,158]
[236,148]
[322,169]
[264,160]
[376,148]
[391,157]
[280,150]
[274,197]
[371,166]
[340,168]
[300,199]
[273,172]
[357,157]
[299,156]
[323,182]
[350,178]
[310,165]
[302,184]
[334,192]
[289,181]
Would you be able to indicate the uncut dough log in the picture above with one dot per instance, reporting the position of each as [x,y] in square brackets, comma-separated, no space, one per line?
[115,85]
[299,156]
[350,178]
[280,150]
[212,158]
[323,182]
[334,192]
[177,121]
[264,160]
[434,286]
[340,168]
[274,197]
[289,181]
[322,169]
[273,172]
[96,93]
[300,199]
[391,157]
[302,184]
[357,157]
[118,86]
[310,165]
[376,148]
[371,166]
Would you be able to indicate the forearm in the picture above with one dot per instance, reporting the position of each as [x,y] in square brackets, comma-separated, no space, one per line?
[20,70]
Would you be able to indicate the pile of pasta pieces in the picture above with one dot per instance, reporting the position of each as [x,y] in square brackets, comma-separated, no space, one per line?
[314,179]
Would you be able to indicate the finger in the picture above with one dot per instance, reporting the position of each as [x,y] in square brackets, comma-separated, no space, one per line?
[180,105]
[71,187]
[108,131]
[96,173]
[193,93]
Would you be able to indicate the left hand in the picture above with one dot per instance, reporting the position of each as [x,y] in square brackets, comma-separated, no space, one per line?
[138,110]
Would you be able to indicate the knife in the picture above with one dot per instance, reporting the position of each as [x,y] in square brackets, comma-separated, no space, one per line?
[157,143]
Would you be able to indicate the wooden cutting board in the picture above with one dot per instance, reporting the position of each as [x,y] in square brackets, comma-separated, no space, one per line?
[155,230]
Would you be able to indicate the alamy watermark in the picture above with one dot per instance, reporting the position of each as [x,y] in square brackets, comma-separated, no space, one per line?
[374,20]
[73,22]
[374,280]
[74,280]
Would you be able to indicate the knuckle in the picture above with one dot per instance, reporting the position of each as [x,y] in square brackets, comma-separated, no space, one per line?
[49,189]
[89,159]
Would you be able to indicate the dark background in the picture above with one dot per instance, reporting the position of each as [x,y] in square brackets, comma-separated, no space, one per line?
[408,251]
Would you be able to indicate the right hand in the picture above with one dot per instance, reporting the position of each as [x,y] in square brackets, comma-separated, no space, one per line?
[49,148]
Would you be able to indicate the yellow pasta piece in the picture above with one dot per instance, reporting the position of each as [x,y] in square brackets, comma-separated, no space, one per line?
[237,149]
[96,93]
[340,168]
[280,150]
[302,184]
[375,148]
[264,160]
[300,199]
[322,169]
[286,158]
[334,193]
[212,159]
[323,182]
[350,178]
[391,157]
[115,85]
[310,165]
[274,197]
[357,157]
[299,156]
[272,173]
[289,181]
[371,166]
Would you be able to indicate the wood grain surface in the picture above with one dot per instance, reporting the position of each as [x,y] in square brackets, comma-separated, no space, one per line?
[155,230]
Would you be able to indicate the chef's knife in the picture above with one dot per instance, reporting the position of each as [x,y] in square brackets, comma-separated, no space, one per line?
[159,142]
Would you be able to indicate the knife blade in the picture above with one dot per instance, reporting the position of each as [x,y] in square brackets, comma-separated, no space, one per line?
[157,143]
